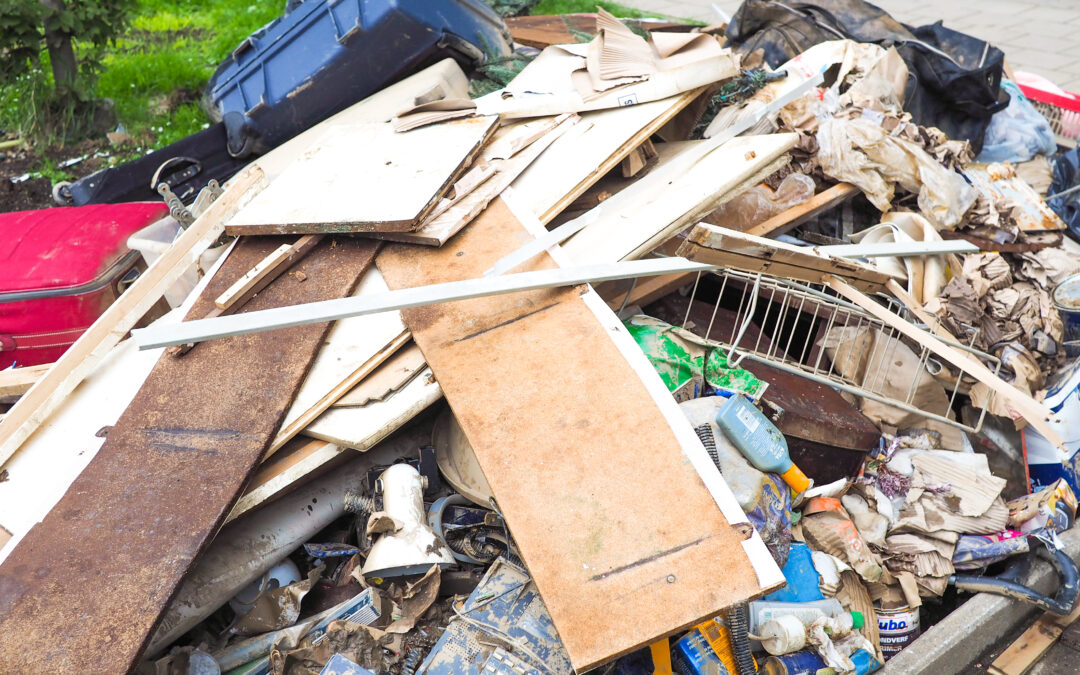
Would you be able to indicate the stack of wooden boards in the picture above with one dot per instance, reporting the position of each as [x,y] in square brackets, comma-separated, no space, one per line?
[263,390]
[122,464]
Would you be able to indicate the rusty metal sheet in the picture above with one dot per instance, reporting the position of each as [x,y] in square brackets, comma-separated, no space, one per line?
[1033,215]
[85,588]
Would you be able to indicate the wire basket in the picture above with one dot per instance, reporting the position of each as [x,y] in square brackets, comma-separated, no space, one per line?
[802,329]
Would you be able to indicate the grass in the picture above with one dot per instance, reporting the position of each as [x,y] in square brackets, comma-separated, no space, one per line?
[156,72]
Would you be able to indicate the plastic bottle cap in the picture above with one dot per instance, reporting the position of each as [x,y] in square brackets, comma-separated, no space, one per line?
[857,620]
[797,480]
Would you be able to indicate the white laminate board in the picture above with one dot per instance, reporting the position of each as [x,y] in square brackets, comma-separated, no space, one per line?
[365,177]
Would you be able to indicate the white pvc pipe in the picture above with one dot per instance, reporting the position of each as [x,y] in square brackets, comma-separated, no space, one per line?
[247,547]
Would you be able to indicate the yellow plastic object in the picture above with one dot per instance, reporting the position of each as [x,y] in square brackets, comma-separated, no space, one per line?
[719,638]
[797,480]
[661,657]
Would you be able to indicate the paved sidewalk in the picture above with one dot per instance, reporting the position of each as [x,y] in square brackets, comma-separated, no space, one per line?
[1037,36]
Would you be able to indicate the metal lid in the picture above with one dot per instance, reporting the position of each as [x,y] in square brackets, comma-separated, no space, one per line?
[1067,294]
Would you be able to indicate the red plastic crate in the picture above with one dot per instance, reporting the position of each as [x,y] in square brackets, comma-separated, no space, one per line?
[1063,112]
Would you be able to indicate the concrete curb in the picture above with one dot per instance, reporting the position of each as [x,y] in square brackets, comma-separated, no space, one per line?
[954,643]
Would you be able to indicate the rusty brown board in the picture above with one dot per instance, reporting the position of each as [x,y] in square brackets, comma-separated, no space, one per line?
[622,535]
[85,588]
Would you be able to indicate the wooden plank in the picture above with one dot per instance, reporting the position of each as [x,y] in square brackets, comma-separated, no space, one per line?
[92,346]
[532,374]
[437,230]
[398,370]
[1036,414]
[310,412]
[675,193]
[596,146]
[1022,654]
[366,177]
[789,219]
[444,79]
[556,29]
[268,269]
[898,249]
[729,248]
[317,312]
[686,184]
[92,579]
[360,427]
[17,381]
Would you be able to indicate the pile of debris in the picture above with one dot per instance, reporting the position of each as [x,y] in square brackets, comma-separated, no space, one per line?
[739,348]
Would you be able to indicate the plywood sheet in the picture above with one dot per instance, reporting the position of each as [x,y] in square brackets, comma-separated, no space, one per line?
[365,177]
[627,528]
[585,153]
[691,178]
[84,589]
[349,346]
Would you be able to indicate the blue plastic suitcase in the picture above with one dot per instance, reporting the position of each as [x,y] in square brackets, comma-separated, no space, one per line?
[325,55]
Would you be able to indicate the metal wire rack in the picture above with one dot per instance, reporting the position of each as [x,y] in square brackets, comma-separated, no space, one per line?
[808,331]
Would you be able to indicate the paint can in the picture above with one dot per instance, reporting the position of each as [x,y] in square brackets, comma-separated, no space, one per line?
[796,663]
[898,627]
[1067,301]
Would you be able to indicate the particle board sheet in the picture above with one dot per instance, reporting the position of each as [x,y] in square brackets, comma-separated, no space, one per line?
[627,528]
[366,177]
[690,180]
[84,589]
[584,154]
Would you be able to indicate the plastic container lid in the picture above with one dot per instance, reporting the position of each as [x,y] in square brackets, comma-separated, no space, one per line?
[1067,294]
[857,620]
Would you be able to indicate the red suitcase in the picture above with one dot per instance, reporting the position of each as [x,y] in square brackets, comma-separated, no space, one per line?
[61,268]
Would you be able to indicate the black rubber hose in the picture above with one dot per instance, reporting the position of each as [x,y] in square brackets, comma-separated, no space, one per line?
[738,623]
[1063,602]
[704,432]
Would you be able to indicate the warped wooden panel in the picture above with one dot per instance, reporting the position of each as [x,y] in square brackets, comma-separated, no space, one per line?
[350,344]
[398,370]
[534,373]
[361,427]
[691,178]
[594,147]
[365,177]
[721,246]
[437,230]
[444,79]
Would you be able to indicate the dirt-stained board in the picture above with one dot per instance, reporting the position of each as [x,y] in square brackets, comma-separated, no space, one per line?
[84,589]
[592,468]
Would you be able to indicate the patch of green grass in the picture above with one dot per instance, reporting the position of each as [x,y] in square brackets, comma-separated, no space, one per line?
[154,73]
